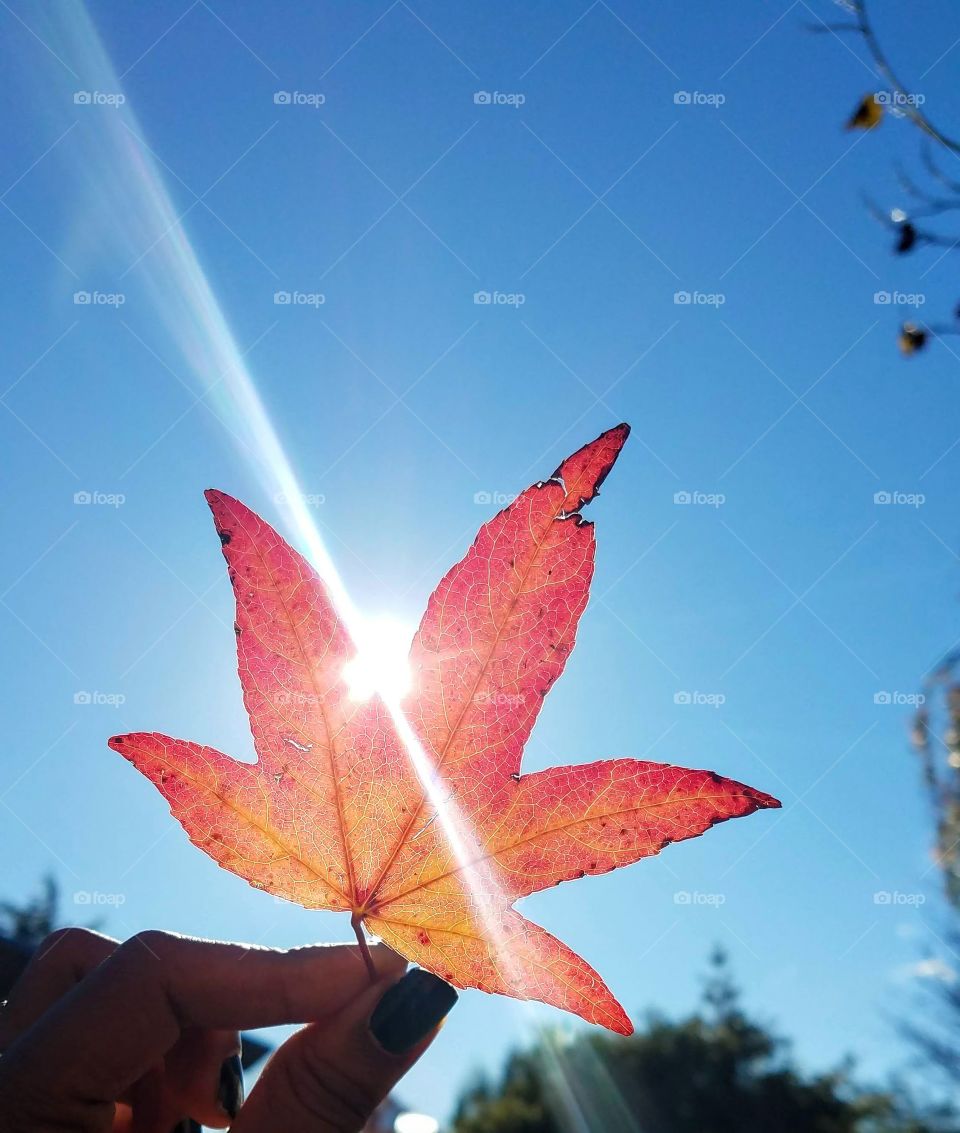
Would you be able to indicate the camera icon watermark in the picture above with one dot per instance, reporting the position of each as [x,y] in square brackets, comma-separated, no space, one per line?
[85,499]
[299,699]
[895,897]
[313,99]
[899,699]
[98,98]
[499,298]
[898,100]
[311,499]
[699,499]
[695,897]
[707,699]
[699,98]
[99,298]
[299,298]
[499,98]
[99,699]
[99,499]
[94,897]
[497,499]
[899,298]
[899,499]
[699,298]
[499,699]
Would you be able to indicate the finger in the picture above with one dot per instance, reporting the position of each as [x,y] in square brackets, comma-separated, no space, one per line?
[61,961]
[107,1032]
[148,1114]
[202,1077]
[193,1073]
[332,1075]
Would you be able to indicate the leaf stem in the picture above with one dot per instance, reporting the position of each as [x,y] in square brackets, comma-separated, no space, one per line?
[357,922]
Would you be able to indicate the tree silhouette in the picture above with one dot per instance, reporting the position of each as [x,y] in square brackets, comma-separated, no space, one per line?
[27,925]
[717,1071]
[936,739]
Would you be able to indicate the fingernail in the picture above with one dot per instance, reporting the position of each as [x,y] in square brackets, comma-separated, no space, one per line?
[410,1009]
[188,1125]
[230,1090]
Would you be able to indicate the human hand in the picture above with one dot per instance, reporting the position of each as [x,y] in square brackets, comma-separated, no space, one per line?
[102,1037]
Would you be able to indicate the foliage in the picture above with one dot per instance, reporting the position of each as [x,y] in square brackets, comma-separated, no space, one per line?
[717,1071]
[936,740]
[27,925]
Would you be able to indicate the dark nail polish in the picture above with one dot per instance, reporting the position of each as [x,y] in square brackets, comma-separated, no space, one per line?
[188,1125]
[410,1010]
[230,1090]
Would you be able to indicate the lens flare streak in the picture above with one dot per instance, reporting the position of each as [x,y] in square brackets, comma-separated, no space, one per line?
[134,215]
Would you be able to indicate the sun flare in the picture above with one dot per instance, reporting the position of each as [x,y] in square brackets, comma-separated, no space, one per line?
[381,661]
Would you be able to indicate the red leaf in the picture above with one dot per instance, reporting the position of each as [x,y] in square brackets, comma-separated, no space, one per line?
[415,818]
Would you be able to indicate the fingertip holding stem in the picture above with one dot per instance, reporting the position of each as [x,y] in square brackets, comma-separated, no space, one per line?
[335,1072]
[410,1010]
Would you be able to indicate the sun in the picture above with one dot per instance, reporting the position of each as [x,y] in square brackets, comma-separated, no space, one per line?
[381,661]
[415,1123]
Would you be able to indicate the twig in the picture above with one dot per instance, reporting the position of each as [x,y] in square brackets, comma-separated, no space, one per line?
[357,924]
[935,205]
[909,106]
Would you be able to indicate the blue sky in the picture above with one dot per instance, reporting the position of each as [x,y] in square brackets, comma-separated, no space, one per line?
[588,194]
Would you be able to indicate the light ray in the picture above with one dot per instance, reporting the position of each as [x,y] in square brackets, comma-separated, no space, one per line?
[129,212]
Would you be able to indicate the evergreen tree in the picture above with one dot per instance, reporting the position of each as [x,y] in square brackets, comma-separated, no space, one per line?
[717,1071]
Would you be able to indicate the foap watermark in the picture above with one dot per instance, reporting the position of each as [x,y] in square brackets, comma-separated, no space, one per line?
[499,298]
[99,499]
[99,699]
[313,99]
[899,699]
[311,499]
[295,698]
[498,499]
[709,699]
[98,98]
[99,298]
[699,298]
[95,897]
[499,98]
[499,699]
[898,100]
[899,298]
[695,897]
[699,499]
[299,298]
[899,499]
[895,897]
[699,98]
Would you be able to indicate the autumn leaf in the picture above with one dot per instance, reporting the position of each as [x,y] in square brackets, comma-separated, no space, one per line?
[906,238]
[867,115]
[911,338]
[415,817]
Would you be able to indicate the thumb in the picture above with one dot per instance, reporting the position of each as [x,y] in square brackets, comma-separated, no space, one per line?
[332,1075]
